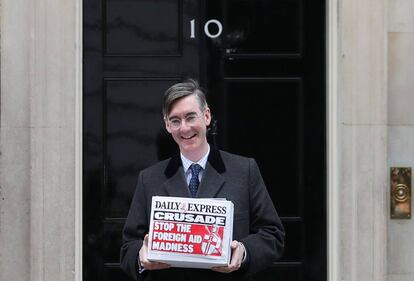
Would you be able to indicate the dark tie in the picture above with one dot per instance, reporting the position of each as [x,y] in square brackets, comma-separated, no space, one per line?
[194,181]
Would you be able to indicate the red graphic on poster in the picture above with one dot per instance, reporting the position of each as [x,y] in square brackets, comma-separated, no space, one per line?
[212,241]
[189,238]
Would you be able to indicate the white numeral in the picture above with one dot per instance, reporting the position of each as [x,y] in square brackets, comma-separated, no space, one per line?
[206,28]
[192,24]
[207,31]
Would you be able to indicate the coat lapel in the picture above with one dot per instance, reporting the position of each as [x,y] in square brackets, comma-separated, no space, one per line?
[176,185]
[211,183]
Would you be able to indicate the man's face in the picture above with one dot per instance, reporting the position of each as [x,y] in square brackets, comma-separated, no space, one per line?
[190,135]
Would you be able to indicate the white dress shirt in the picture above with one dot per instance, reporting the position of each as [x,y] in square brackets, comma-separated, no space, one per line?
[187,163]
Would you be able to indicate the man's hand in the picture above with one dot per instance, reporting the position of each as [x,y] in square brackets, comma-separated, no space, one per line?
[237,254]
[145,263]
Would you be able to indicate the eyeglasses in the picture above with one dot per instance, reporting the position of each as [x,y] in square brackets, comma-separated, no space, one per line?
[190,119]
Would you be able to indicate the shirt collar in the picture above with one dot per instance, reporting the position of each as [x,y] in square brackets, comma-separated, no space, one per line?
[187,162]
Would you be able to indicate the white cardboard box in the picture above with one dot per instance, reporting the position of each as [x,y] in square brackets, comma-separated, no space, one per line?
[190,232]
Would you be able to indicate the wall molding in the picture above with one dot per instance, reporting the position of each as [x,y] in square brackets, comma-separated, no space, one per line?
[333,147]
[78,141]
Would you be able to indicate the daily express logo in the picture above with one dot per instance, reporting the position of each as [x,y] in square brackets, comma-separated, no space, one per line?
[190,207]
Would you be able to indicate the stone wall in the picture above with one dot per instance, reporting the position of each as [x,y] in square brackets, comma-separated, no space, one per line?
[39,132]
[363,140]
[400,128]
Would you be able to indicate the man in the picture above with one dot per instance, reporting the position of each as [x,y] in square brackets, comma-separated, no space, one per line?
[203,172]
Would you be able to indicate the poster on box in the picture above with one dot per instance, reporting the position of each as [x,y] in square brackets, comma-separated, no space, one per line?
[190,232]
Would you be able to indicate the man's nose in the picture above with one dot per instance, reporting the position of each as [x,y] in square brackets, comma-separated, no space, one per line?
[184,125]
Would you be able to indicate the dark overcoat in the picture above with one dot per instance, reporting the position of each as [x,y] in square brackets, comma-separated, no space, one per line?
[235,178]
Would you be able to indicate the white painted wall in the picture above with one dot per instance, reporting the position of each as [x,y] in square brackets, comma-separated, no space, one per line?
[14,146]
[400,128]
[38,140]
[362,107]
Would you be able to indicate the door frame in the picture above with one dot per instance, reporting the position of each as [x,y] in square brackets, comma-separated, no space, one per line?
[332,149]
[332,135]
[78,141]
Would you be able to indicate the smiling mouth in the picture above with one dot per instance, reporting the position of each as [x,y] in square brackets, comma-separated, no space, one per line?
[188,138]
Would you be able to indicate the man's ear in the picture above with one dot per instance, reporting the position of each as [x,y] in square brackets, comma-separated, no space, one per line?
[207,116]
[167,125]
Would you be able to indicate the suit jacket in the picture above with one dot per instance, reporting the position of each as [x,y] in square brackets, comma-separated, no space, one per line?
[236,178]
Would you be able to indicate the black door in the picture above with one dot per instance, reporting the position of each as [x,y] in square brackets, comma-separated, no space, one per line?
[262,63]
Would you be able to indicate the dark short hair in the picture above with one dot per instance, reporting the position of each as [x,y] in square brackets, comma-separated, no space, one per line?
[181,90]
